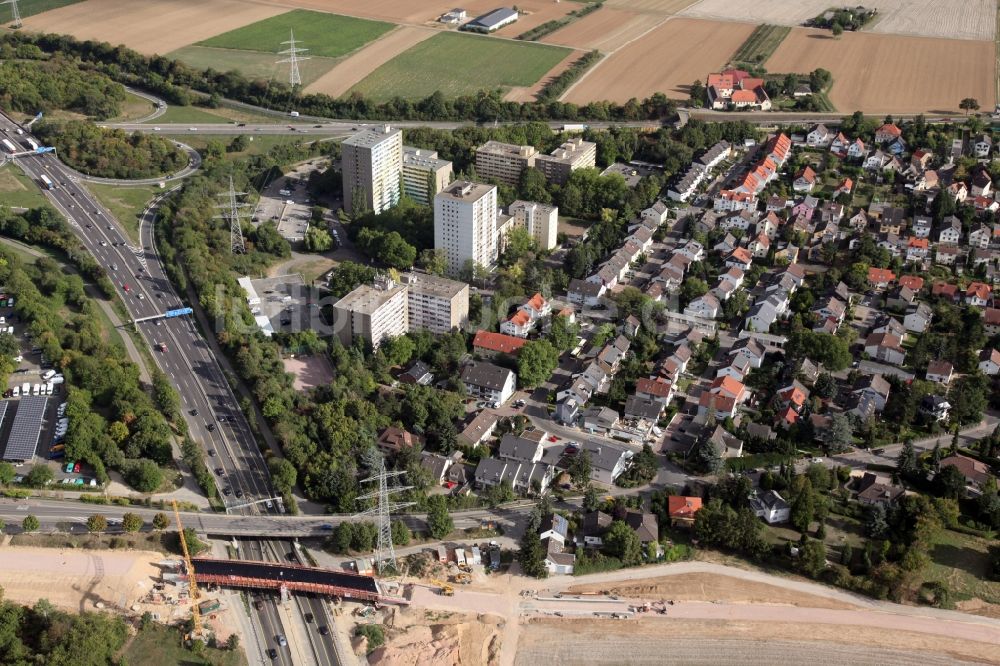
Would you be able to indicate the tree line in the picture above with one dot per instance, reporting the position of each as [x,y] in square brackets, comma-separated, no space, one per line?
[111,153]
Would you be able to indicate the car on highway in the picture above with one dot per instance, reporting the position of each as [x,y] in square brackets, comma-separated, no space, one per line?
[272,653]
[211,453]
[324,630]
[102,243]
[193,412]
[210,426]
[239,493]
[219,471]
[310,617]
[126,287]
[114,267]
[227,491]
[162,346]
[281,640]
[192,129]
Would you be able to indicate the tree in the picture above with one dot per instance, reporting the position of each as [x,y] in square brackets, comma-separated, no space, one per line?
[531,554]
[622,542]
[706,456]
[804,507]
[161,521]
[6,473]
[343,537]
[439,522]
[837,29]
[812,557]
[826,386]
[841,433]
[591,500]
[283,474]
[97,523]
[132,522]
[39,476]
[950,482]
[318,239]
[580,468]
[144,475]
[906,464]
[535,362]
[692,288]
[563,333]
[400,533]
[233,641]
[30,523]
[969,104]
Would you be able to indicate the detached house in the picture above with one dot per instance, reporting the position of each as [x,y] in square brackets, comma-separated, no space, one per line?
[880,278]
[526,317]
[819,136]
[885,347]
[874,386]
[888,132]
[489,382]
[989,362]
[805,180]
[951,230]
[978,294]
[940,372]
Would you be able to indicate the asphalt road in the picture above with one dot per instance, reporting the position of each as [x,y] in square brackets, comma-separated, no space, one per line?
[146,292]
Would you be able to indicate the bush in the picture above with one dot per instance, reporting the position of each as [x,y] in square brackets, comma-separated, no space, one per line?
[374,634]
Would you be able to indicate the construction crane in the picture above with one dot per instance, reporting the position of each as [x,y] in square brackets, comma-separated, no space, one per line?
[444,588]
[192,583]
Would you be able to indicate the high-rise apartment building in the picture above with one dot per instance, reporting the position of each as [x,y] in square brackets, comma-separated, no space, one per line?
[465,224]
[373,312]
[541,221]
[387,309]
[567,158]
[372,164]
[503,162]
[436,304]
[424,174]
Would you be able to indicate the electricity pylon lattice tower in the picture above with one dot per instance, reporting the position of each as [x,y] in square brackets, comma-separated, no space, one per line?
[15,13]
[293,59]
[232,211]
[385,553]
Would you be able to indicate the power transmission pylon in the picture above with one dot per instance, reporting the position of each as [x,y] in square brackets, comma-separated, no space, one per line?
[385,553]
[294,78]
[16,15]
[231,212]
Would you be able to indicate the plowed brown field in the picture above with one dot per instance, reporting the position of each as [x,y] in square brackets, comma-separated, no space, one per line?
[150,26]
[667,59]
[662,7]
[605,30]
[347,73]
[891,73]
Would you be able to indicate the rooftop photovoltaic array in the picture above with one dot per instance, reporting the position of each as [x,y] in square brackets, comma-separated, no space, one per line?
[26,429]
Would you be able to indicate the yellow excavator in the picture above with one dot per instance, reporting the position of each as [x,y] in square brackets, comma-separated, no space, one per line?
[444,588]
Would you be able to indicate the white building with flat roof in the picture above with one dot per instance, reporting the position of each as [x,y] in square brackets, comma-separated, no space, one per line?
[465,224]
[373,312]
[372,166]
[434,303]
[424,174]
[504,162]
[541,221]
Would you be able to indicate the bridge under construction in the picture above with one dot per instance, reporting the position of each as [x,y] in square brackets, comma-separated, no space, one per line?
[290,577]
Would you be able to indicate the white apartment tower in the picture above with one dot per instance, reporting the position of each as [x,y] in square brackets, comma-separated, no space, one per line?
[372,164]
[541,221]
[465,224]
[372,312]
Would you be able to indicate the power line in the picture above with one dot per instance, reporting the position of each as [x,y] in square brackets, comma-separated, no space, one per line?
[385,553]
[16,15]
[294,78]
[231,211]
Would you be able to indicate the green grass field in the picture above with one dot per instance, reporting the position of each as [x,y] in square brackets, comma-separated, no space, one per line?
[134,108]
[189,114]
[17,190]
[259,145]
[32,7]
[125,203]
[762,42]
[158,644]
[328,35]
[251,64]
[962,562]
[460,65]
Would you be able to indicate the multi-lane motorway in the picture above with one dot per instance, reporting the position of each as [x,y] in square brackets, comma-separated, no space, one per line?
[210,408]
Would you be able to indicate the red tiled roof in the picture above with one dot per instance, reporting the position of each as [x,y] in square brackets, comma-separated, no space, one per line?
[729,386]
[879,275]
[537,302]
[992,316]
[889,128]
[944,289]
[922,243]
[745,96]
[847,185]
[679,506]
[914,282]
[741,254]
[794,395]
[652,387]
[497,342]
[807,175]
[979,290]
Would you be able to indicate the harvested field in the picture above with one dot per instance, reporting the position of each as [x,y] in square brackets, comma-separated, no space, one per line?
[460,64]
[251,64]
[326,35]
[533,14]
[893,74]
[710,587]
[606,30]
[150,26]
[956,19]
[31,7]
[76,579]
[678,641]
[661,7]
[528,93]
[396,11]
[348,73]
[665,60]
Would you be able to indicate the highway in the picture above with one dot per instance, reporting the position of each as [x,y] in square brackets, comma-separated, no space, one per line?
[210,408]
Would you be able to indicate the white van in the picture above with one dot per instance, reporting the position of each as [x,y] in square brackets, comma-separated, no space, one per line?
[48,374]
[35,388]
[48,388]
[16,391]
[56,379]
[25,388]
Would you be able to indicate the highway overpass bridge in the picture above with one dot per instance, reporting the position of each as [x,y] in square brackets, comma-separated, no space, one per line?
[291,577]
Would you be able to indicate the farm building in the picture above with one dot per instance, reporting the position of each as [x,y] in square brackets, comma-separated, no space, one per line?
[492,21]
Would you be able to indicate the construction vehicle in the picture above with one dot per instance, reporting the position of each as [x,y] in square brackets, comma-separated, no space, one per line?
[444,588]
[463,578]
[192,583]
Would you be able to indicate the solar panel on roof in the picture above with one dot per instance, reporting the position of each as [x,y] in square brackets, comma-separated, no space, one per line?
[27,428]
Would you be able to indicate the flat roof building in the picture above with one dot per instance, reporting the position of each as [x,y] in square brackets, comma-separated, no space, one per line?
[424,174]
[567,158]
[541,221]
[436,304]
[465,224]
[493,20]
[504,162]
[372,312]
[372,167]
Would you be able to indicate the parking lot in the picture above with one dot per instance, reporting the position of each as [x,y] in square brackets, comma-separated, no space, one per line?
[287,203]
[286,301]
